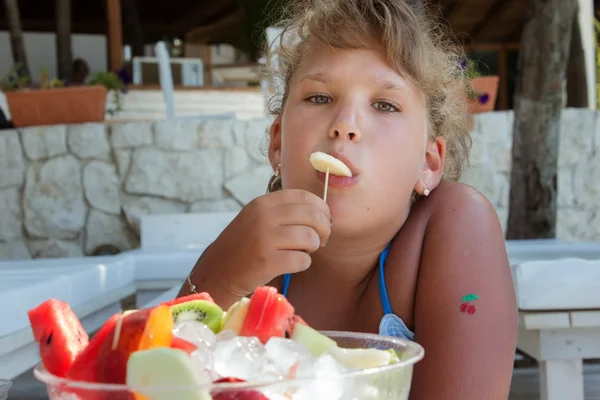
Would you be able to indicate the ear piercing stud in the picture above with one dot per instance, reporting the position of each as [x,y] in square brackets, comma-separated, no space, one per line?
[425,189]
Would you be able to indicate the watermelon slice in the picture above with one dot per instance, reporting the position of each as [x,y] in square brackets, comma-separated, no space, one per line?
[269,314]
[184,299]
[296,319]
[237,394]
[84,368]
[178,343]
[59,333]
[111,363]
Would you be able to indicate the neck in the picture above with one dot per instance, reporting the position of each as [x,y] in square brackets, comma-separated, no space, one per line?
[344,262]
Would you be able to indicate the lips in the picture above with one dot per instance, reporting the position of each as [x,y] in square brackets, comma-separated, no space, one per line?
[345,160]
[337,181]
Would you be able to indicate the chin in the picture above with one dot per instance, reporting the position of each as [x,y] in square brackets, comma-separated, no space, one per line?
[348,213]
[354,217]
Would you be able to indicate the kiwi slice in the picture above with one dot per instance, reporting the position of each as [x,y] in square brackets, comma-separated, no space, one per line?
[395,359]
[315,341]
[203,311]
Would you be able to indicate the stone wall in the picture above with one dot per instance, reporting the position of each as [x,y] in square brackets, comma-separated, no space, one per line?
[69,190]
[578,216]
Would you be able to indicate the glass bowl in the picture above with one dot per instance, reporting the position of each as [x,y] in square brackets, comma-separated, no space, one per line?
[4,388]
[390,382]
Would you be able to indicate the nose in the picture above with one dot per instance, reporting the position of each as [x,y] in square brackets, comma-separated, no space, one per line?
[344,129]
[345,125]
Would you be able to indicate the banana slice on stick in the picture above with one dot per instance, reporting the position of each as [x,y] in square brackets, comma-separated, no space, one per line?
[328,164]
[321,161]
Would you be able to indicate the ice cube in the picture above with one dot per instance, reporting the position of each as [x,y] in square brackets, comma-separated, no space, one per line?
[195,332]
[328,387]
[286,354]
[226,335]
[200,335]
[243,358]
[53,395]
[365,392]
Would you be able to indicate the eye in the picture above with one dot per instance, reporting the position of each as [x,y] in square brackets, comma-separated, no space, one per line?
[386,107]
[319,99]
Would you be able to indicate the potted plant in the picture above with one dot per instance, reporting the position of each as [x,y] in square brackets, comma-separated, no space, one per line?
[55,102]
[484,89]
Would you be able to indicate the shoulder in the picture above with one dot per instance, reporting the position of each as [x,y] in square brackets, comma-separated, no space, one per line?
[448,195]
[464,257]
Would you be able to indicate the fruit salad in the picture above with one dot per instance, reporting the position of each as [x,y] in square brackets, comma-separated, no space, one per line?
[190,342]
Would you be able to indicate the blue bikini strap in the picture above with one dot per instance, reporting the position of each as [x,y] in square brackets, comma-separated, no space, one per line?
[286,283]
[385,301]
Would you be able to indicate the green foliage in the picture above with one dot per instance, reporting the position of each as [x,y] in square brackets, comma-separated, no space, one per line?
[13,81]
[470,71]
[113,83]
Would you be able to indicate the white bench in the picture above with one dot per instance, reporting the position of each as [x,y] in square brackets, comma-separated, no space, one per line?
[93,286]
[559,321]
[170,246]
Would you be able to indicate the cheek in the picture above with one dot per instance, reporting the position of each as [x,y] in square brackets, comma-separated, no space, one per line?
[399,158]
[297,143]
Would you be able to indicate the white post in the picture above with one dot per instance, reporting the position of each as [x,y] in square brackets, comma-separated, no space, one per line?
[588,40]
[166,78]
[561,380]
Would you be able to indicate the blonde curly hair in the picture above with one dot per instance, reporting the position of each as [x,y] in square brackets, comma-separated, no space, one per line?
[415,45]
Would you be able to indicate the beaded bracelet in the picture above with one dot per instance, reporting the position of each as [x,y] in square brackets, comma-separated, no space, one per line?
[192,286]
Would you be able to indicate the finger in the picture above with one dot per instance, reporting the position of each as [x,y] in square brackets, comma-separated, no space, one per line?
[293,196]
[305,215]
[296,237]
[292,261]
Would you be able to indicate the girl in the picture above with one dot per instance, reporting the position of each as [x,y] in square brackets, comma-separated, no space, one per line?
[396,248]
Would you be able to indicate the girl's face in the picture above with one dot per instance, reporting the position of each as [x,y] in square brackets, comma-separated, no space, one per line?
[351,104]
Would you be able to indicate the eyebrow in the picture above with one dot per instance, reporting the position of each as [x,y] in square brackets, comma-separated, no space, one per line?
[318,77]
[389,85]
[380,83]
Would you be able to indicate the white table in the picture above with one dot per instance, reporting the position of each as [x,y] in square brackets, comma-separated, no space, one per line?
[559,321]
[560,341]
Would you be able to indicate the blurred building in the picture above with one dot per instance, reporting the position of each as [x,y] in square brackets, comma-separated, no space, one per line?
[225,35]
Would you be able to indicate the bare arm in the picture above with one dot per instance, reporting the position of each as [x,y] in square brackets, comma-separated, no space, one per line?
[468,355]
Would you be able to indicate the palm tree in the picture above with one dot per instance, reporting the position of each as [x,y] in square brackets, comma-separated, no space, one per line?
[16,36]
[133,27]
[544,54]
[64,52]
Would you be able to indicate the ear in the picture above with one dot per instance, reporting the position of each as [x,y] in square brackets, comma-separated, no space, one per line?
[433,165]
[275,143]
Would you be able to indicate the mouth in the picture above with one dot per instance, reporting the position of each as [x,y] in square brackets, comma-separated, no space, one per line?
[338,181]
[345,160]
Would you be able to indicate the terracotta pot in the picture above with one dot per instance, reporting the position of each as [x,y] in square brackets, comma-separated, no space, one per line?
[486,88]
[71,105]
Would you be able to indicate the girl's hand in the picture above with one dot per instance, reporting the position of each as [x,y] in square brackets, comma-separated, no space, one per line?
[273,235]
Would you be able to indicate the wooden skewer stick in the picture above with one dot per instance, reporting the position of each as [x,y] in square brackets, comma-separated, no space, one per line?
[117,332]
[326,185]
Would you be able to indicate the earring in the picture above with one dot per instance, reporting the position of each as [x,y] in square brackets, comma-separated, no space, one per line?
[425,189]
[275,181]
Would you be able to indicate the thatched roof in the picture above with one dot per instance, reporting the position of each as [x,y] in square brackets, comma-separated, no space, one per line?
[477,21]
[158,17]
